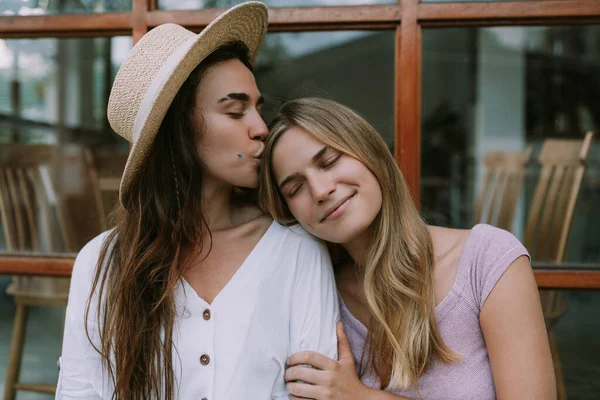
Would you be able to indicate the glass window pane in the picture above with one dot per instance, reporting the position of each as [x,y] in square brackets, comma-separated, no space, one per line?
[331,65]
[579,344]
[43,7]
[477,1]
[504,89]
[198,4]
[57,149]
[43,342]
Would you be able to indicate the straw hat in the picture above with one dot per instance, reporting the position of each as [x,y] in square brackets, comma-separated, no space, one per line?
[157,67]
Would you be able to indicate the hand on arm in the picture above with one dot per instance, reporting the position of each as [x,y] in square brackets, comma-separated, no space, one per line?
[329,379]
[515,334]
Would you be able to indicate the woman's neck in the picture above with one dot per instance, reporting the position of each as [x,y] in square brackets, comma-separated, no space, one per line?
[358,249]
[220,208]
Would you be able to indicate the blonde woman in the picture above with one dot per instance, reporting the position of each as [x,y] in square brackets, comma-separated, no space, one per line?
[429,312]
[191,295]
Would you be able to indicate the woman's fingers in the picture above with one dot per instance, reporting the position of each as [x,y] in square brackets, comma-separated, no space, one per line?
[303,390]
[344,350]
[313,359]
[306,375]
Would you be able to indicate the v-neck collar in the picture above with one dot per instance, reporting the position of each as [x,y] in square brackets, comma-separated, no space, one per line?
[238,274]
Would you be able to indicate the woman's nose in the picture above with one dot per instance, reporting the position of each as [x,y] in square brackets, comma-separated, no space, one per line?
[322,188]
[258,130]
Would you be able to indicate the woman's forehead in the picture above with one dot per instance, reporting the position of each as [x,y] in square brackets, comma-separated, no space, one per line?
[230,76]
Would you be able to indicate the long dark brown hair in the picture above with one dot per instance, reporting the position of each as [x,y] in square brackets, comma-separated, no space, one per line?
[140,263]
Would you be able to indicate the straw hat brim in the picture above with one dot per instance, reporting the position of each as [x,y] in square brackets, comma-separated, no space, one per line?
[246,23]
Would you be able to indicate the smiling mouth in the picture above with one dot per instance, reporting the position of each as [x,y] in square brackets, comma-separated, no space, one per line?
[337,206]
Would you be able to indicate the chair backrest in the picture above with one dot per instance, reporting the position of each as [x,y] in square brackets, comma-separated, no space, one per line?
[563,163]
[29,205]
[499,195]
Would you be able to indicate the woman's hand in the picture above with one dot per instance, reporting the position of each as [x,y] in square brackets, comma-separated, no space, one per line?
[329,379]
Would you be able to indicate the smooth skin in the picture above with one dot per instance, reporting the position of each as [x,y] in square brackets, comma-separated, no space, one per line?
[511,318]
[228,108]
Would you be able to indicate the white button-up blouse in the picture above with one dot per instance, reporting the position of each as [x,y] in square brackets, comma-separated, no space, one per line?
[281,300]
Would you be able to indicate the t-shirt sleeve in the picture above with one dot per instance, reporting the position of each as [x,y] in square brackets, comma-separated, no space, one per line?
[315,309]
[494,251]
[80,363]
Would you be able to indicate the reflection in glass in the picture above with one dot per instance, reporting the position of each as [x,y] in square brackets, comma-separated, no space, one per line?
[579,344]
[487,89]
[354,68]
[43,7]
[477,1]
[507,89]
[198,4]
[56,148]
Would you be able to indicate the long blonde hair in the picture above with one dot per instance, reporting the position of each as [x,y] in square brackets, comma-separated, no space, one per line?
[398,275]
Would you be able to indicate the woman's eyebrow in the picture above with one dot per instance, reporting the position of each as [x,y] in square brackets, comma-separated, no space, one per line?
[319,154]
[241,97]
[315,159]
[288,179]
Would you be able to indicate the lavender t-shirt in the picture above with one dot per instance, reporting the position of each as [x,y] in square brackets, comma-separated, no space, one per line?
[487,254]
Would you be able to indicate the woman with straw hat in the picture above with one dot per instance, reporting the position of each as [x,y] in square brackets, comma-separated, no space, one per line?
[190,296]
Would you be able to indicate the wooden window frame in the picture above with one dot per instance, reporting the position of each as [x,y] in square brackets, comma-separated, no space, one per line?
[407,17]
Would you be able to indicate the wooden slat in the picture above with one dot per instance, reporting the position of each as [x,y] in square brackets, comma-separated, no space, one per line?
[495,204]
[547,278]
[509,13]
[407,147]
[73,25]
[6,214]
[36,265]
[29,213]
[48,388]
[543,249]
[585,148]
[152,5]
[482,195]
[536,207]
[140,16]
[567,280]
[14,197]
[384,16]
[294,18]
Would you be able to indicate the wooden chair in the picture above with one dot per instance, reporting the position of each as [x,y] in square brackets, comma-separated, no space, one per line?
[33,220]
[104,171]
[549,222]
[499,195]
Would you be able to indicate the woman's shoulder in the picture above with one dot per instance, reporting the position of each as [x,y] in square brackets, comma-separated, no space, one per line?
[478,241]
[296,234]
[297,246]
[87,258]
[488,241]
[489,252]
[84,271]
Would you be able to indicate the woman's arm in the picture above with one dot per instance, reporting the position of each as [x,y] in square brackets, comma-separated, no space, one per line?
[314,305]
[80,364]
[329,379]
[515,334]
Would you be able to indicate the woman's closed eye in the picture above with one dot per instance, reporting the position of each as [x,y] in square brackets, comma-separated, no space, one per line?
[242,113]
[295,189]
[330,162]
[237,115]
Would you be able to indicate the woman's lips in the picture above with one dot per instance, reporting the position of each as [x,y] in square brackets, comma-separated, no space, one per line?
[339,209]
